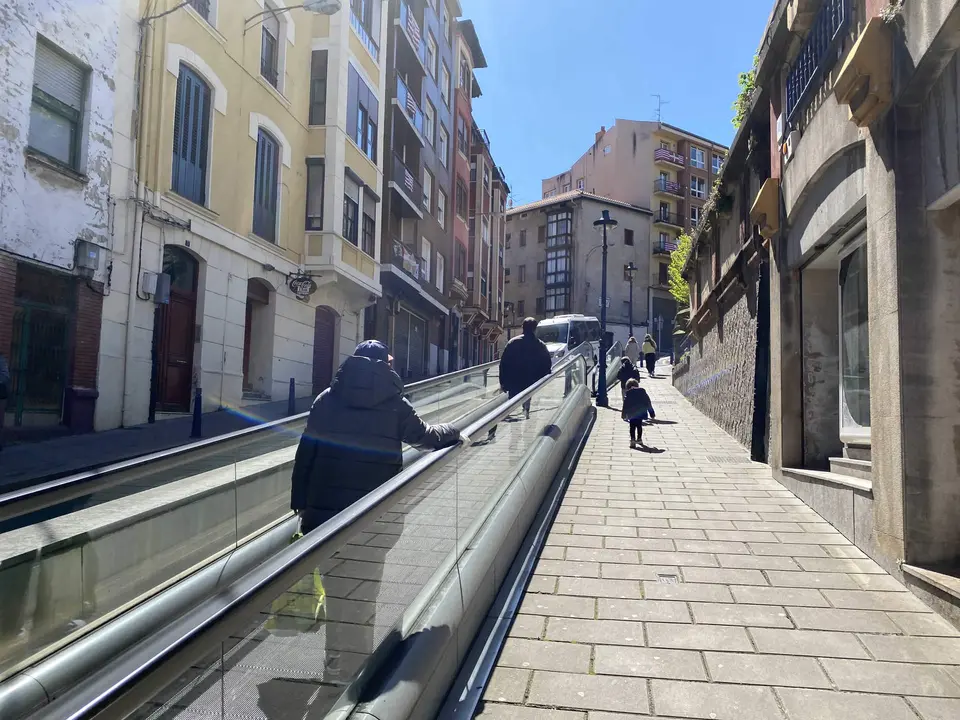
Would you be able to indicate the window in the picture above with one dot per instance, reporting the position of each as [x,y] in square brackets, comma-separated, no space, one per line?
[445,20]
[440,272]
[486,177]
[460,262]
[369,230]
[445,84]
[350,212]
[694,215]
[697,157]
[485,230]
[506,272]
[717,164]
[541,268]
[542,234]
[270,46]
[523,238]
[427,190]
[318,87]
[443,145]
[557,300]
[559,229]
[507,241]
[191,132]
[558,267]
[465,74]
[566,188]
[521,310]
[541,304]
[522,273]
[462,136]
[627,236]
[266,185]
[315,176]
[665,238]
[664,145]
[56,113]
[663,277]
[607,149]
[365,20]
[432,56]
[363,110]
[427,257]
[461,198]
[429,122]
[698,187]
[202,7]
[442,208]
[854,343]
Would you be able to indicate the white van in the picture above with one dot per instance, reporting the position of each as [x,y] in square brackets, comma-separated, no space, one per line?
[563,333]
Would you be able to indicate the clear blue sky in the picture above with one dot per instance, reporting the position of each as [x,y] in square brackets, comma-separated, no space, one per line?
[559,69]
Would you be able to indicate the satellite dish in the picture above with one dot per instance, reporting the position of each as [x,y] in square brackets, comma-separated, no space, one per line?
[323,7]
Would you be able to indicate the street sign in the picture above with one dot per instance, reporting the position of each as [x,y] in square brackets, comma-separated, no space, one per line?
[600,302]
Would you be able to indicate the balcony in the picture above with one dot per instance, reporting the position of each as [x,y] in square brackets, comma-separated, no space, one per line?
[406,184]
[672,219]
[664,247]
[411,30]
[336,259]
[404,259]
[368,42]
[410,109]
[458,291]
[669,157]
[668,187]
[818,55]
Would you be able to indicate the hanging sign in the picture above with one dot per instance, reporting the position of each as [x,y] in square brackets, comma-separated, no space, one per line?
[303,286]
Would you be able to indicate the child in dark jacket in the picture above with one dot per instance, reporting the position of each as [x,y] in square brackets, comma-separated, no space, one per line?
[636,408]
[627,370]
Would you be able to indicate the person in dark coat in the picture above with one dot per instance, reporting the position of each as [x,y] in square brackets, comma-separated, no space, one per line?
[627,370]
[525,360]
[636,408]
[354,436]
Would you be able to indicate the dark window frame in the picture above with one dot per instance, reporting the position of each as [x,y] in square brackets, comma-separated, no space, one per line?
[191,136]
[51,104]
[313,221]
[368,233]
[351,217]
[270,56]
[266,187]
[627,236]
[318,87]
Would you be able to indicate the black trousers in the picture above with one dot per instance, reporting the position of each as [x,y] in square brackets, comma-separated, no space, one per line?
[636,430]
[651,360]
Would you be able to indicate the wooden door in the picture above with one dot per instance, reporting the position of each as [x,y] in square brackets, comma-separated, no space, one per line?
[324,344]
[247,326]
[177,324]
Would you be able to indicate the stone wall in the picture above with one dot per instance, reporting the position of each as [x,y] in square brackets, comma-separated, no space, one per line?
[721,374]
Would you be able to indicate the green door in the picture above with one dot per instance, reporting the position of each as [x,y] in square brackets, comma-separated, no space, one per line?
[38,359]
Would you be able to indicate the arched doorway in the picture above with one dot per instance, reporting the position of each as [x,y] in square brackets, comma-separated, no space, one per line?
[176,328]
[324,348]
[258,334]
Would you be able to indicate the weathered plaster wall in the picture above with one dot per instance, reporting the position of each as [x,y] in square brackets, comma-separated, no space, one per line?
[42,210]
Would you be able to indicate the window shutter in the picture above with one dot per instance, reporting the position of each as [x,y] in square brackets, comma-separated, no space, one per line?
[191,131]
[272,23]
[59,77]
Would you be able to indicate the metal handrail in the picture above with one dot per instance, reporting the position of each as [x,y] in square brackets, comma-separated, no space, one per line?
[137,675]
[43,495]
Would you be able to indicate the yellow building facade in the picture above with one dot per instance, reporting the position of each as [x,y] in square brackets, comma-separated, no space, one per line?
[247,179]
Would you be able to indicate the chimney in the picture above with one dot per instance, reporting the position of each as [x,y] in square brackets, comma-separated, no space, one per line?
[603,130]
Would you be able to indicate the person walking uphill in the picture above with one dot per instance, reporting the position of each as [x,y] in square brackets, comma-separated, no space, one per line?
[649,353]
[627,371]
[524,361]
[632,350]
[636,408]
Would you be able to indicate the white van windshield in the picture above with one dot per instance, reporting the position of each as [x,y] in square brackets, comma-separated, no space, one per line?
[554,333]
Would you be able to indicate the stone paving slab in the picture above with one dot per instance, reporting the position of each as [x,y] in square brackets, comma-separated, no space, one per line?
[675,587]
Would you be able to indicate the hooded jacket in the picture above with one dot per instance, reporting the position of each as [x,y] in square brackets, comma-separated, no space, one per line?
[637,405]
[627,370]
[649,346]
[525,360]
[632,350]
[353,442]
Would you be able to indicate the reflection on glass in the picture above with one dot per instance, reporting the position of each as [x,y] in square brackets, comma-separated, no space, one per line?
[855,340]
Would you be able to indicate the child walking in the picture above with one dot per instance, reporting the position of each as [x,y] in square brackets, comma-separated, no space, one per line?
[636,408]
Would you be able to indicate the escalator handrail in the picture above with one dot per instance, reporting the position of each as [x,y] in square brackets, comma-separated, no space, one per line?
[52,492]
[137,675]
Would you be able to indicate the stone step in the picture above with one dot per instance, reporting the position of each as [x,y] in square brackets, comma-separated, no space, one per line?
[804,475]
[848,466]
[939,587]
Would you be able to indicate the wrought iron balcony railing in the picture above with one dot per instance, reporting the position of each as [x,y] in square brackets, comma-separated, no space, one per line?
[668,186]
[819,53]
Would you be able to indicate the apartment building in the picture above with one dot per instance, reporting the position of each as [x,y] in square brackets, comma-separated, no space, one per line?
[649,165]
[246,237]
[58,234]
[824,286]
[413,316]
[554,262]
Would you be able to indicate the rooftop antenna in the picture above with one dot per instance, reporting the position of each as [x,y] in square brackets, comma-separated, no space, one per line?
[660,103]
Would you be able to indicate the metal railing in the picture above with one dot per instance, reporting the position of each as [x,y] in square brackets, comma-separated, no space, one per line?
[664,247]
[665,155]
[668,218]
[408,180]
[819,53]
[368,42]
[408,103]
[133,677]
[668,186]
[412,30]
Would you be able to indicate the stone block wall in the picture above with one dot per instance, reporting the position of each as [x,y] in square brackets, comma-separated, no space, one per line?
[719,373]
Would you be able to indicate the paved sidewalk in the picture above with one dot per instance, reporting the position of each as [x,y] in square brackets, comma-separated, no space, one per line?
[26,463]
[687,583]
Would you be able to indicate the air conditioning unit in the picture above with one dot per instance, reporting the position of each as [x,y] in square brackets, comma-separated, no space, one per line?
[793,140]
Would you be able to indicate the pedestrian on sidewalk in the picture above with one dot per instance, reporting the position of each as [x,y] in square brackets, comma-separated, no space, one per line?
[4,392]
[353,444]
[632,350]
[627,371]
[636,408]
[525,360]
[649,353]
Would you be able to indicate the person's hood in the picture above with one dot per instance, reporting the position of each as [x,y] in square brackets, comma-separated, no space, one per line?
[364,383]
[625,362]
[632,341]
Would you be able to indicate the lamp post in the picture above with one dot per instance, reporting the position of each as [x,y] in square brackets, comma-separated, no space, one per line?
[604,222]
[630,270]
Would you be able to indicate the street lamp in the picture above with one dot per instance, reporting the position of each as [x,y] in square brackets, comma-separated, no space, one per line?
[604,222]
[630,270]
[318,7]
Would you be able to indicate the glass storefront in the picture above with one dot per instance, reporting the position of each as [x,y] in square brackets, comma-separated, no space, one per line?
[854,347]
